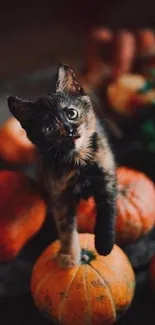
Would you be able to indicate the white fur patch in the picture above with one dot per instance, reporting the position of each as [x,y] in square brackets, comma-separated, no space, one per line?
[80,141]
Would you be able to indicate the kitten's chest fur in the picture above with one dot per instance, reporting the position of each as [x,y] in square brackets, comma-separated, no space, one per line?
[77,182]
[86,178]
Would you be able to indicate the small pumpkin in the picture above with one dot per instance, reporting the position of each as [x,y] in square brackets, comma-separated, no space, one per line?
[128,92]
[15,147]
[22,212]
[135,207]
[96,291]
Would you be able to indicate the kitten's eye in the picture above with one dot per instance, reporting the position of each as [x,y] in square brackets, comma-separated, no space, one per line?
[72,114]
[47,129]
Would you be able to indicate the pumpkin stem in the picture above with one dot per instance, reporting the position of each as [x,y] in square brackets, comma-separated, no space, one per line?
[87,256]
[122,189]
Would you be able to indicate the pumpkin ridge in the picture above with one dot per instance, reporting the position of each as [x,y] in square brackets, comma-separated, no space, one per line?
[61,306]
[110,294]
[99,261]
[43,280]
[125,280]
[142,198]
[124,205]
[135,207]
[86,287]
[130,199]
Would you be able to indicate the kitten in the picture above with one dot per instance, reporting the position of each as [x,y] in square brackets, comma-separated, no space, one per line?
[76,160]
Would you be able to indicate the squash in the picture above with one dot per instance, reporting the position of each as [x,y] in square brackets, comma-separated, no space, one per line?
[22,212]
[97,291]
[129,92]
[15,147]
[86,215]
[135,207]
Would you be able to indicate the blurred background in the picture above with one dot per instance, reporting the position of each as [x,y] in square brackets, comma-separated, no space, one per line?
[36,36]
[111,46]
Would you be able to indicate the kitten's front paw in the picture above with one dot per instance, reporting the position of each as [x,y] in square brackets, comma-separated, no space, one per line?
[67,261]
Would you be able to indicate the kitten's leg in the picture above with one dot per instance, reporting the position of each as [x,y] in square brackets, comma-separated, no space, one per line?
[105,198]
[64,215]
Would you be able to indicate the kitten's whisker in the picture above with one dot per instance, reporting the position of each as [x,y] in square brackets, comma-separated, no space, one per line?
[39,159]
[41,156]
[56,154]
[52,147]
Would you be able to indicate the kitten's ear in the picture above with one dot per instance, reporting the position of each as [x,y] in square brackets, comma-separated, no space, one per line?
[67,81]
[19,108]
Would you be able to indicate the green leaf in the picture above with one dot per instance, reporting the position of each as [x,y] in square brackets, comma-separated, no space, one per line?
[149,128]
[150,84]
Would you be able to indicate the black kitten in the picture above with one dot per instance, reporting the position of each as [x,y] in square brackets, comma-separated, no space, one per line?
[76,160]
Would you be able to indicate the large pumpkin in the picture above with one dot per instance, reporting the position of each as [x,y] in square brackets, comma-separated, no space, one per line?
[22,212]
[15,147]
[135,207]
[96,291]
[86,215]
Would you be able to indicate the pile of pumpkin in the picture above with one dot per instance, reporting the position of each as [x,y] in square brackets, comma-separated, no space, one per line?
[122,65]
[88,292]
[119,75]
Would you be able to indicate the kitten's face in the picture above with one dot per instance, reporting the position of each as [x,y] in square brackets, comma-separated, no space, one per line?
[63,119]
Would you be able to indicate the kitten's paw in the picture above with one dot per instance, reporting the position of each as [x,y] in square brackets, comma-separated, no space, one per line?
[67,260]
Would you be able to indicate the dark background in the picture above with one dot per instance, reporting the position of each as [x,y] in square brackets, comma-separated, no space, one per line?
[36,35]
[34,38]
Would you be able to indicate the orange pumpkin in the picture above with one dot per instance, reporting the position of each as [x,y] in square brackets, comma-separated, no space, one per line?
[152,273]
[15,147]
[96,291]
[86,215]
[22,212]
[123,94]
[135,207]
